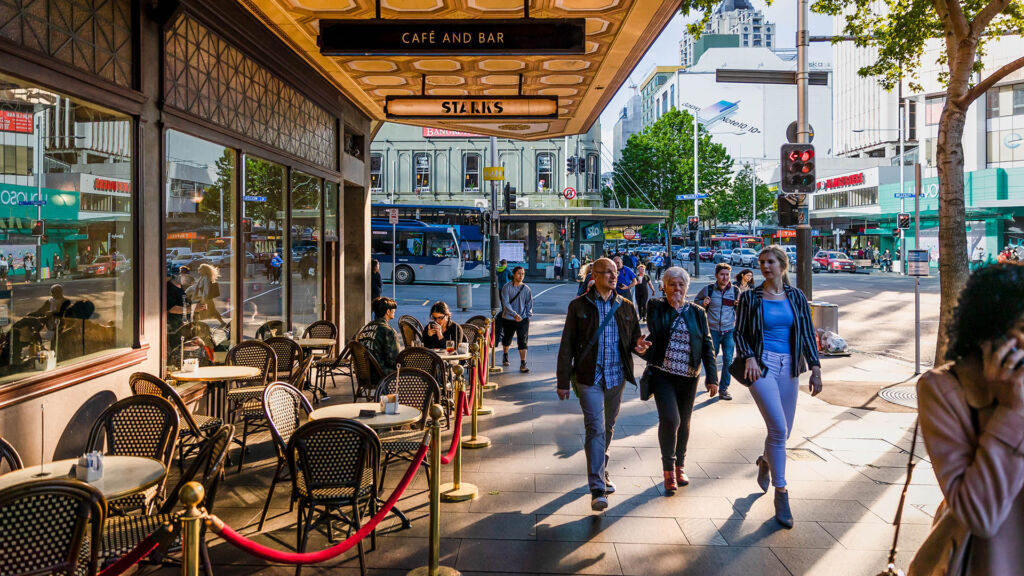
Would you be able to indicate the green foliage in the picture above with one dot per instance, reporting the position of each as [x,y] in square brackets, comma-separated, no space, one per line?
[211,205]
[737,205]
[264,179]
[659,161]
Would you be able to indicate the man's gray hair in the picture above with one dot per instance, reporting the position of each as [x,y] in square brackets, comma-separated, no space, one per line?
[676,272]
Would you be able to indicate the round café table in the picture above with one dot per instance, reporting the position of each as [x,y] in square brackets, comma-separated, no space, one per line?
[454,356]
[216,379]
[379,421]
[315,342]
[122,475]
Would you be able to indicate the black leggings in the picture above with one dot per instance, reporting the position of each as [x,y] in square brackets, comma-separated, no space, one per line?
[674,396]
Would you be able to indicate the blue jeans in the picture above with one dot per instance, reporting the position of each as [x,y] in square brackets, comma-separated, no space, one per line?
[723,341]
[775,394]
[600,409]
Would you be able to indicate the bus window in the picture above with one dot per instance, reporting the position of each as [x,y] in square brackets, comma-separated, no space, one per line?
[380,242]
[441,245]
[410,244]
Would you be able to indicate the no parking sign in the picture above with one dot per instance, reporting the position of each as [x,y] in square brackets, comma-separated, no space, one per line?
[569,193]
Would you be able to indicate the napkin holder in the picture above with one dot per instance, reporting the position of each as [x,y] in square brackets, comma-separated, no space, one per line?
[464,348]
[389,403]
[190,364]
[90,467]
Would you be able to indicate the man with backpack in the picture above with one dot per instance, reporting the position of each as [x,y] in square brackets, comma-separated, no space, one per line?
[719,300]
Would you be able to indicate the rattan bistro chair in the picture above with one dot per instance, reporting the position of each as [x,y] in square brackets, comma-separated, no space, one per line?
[123,533]
[51,527]
[283,406]
[413,321]
[428,361]
[246,398]
[332,366]
[321,329]
[368,373]
[145,426]
[196,428]
[419,390]
[410,337]
[9,456]
[269,329]
[289,354]
[335,464]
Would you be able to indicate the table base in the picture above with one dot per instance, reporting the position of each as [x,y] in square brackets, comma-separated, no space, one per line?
[465,491]
[476,442]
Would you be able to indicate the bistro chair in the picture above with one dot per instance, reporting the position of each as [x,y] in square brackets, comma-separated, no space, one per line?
[123,533]
[9,456]
[429,362]
[340,365]
[321,329]
[335,464]
[51,527]
[270,328]
[368,373]
[419,390]
[246,399]
[252,413]
[197,427]
[410,336]
[406,318]
[289,354]
[283,406]
[145,426]
[481,322]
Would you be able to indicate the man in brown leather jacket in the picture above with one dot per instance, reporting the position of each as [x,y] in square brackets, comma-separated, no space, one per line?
[601,331]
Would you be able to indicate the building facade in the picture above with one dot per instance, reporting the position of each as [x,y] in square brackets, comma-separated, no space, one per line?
[653,105]
[733,23]
[627,125]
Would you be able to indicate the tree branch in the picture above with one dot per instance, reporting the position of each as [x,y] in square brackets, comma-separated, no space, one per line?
[952,40]
[983,18]
[983,86]
[956,17]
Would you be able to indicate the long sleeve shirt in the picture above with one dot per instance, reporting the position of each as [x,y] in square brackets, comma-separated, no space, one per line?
[516,300]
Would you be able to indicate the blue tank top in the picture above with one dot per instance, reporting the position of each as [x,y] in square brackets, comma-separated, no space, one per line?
[778,325]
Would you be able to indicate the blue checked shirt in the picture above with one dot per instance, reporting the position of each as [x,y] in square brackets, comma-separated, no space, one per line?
[609,363]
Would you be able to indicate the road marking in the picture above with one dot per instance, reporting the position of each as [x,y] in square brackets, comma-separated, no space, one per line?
[548,290]
[261,294]
[425,302]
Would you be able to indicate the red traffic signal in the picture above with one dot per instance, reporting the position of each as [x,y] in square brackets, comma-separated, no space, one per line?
[797,168]
[38,228]
[693,222]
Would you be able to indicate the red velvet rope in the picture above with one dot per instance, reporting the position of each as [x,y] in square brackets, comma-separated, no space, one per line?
[141,550]
[272,555]
[457,436]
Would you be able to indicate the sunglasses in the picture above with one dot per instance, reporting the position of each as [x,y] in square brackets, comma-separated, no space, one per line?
[437,317]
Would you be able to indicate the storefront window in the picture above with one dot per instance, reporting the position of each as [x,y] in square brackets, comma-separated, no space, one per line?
[199,225]
[1018,99]
[265,282]
[66,230]
[992,103]
[306,247]
[471,171]
[376,181]
[422,163]
[545,164]
[549,241]
[514,238]
[592,184]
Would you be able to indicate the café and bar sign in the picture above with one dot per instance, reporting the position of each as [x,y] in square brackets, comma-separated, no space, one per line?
[400,37]
[486,107]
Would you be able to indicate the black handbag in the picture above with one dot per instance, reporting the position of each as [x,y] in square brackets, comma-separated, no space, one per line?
[738,371]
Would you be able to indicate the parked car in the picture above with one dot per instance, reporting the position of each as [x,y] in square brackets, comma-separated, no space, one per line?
[721,256]
[107,265]
[834,262]
[790,252]
[219,257]
[684,254]
[706,254]
[743,257]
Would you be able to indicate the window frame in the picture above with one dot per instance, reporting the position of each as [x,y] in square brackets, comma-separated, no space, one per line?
[416,186]
[466,172]
[551,171]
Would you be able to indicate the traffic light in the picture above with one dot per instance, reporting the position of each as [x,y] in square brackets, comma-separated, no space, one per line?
[581,165]
[692,223]
[797,168]
[247,225]
[510,197]
[787,211]
[570,165]
[903,220]
[38,228]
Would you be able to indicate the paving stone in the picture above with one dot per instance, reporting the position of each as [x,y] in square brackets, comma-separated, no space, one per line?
[701,532]
[869,536]
[608,528]
[836,561]
[548,557]
[747,532]
[655,560]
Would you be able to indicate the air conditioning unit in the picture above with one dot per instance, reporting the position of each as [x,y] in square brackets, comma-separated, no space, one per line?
[522,202]
[480,203]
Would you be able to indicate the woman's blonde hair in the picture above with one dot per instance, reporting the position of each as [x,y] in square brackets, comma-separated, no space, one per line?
[209,271]
[779,255]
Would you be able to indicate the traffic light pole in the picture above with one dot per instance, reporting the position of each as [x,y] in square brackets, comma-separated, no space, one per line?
[803,228]
[696,197]
[494,231]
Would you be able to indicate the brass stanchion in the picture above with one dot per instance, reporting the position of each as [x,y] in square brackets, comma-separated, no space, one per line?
[475,441]
[491,342]
[433,568]
[191,495]
[458,491]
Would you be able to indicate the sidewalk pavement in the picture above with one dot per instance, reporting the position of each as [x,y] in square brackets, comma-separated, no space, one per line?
[846,470]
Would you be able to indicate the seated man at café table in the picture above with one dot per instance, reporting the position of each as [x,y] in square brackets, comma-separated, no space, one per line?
[441,329]
[379,338]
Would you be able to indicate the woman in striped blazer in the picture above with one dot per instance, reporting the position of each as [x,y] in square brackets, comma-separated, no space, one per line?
[776,339]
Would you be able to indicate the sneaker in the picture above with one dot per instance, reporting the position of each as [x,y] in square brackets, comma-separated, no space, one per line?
[724,395]
[598,501]
[523,368]
[504,360]
[609,486]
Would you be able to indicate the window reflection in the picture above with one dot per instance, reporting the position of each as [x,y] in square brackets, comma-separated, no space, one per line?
[306,248]
[263,292]
[66,234]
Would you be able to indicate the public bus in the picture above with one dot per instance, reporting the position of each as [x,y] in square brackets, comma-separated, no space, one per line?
[425,252]
[466,220]
[730,241]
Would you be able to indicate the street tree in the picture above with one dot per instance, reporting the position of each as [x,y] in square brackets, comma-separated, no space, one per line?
[659,162]
[739,204]
[901,31]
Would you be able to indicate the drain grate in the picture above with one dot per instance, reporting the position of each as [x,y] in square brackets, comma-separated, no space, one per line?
[901,395]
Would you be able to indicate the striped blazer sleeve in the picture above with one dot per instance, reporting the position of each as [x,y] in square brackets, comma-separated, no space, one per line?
[747,325]
[805,328]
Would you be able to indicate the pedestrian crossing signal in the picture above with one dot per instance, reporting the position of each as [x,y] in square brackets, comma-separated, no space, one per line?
[903,220]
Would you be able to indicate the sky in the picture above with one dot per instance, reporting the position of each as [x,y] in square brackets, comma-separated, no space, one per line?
[665,52]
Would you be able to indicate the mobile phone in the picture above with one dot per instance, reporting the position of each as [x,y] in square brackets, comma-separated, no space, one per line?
[1013,350]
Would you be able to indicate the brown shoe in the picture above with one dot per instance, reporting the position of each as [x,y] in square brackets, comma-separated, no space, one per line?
[670,483]
[681,478]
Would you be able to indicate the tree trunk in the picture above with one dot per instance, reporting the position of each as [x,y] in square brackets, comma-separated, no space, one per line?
[670,226]
[953,255]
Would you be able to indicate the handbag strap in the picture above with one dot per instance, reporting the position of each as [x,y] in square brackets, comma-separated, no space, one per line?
[600,329]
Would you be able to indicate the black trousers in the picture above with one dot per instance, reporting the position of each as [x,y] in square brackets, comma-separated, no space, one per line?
[674,396]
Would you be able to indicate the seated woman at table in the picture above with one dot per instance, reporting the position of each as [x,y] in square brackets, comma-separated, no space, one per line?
[441,329]
[378,336]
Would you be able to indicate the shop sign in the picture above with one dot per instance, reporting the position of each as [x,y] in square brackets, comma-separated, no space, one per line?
[106,185]
[784,234]
[629,234]
[466,37]
[592,231]
[844,181]
[19,122]
[183,236]
[24,202]
[446,107]
[443,133]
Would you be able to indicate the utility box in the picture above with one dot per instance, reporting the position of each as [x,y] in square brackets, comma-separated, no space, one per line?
[464,296]
[825,316]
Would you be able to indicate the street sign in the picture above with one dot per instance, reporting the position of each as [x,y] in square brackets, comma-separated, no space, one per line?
[793,137]
[629,234]
[494,173]
[32,203]
[691,196]
[254,198]
[392,216]
[903,195]
[569,193]
[917,262]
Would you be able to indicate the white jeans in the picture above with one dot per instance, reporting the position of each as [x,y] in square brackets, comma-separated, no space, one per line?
[775,394]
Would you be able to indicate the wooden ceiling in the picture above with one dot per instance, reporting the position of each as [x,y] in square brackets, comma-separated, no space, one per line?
[618,33]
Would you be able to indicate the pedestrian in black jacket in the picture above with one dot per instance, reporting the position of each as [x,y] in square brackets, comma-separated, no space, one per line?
[376,284]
